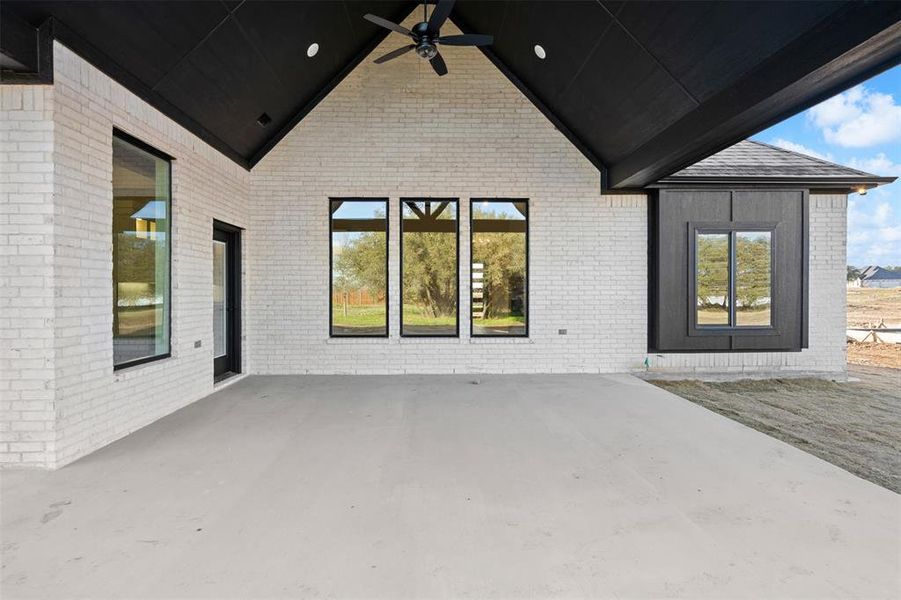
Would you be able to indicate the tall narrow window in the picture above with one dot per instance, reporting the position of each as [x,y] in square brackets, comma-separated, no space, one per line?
[499,267]
[429,268]
[141,252]
[753,286]
[733,278]
[359,268]
[713,279]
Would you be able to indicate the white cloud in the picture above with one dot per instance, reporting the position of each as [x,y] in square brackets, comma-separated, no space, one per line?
[874,231]
[878,165]
[858,118]
[795,147]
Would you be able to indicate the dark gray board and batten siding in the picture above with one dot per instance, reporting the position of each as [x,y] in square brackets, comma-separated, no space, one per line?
[676,213]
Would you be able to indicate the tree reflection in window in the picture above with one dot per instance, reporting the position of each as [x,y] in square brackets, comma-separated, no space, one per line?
[733,278]
[713,279]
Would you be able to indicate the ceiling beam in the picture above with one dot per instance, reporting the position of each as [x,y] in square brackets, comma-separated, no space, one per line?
[861,40]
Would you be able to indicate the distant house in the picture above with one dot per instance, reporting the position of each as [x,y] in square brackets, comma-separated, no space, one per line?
[877,277]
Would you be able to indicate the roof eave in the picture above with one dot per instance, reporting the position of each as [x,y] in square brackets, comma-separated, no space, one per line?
[849,183]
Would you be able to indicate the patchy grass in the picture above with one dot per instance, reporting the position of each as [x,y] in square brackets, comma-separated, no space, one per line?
[369,315]
[853,425]
[416,316]
[504,321]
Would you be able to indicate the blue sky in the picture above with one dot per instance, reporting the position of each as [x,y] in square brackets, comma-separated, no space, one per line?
[860,128]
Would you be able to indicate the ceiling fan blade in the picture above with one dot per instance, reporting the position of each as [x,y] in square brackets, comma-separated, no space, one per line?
[469,39]
[438,64]
[393,54]
[387,24]
[440,14]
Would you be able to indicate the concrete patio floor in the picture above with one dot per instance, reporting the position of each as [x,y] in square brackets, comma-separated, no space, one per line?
[433,486]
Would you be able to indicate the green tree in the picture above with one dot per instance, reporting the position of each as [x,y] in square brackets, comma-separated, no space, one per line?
[712,276]
[430,271]
[752,269]
[360,264]
[503,256]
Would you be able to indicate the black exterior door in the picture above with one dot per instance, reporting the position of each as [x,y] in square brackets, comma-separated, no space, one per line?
[226,300]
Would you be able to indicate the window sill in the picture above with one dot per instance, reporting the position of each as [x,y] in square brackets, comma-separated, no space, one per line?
[495,339]
[412,340]
[123,371]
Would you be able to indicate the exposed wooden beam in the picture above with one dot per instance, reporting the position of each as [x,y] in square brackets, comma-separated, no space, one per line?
[358,225]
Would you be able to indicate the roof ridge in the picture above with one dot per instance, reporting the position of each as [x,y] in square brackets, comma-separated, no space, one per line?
[813,158]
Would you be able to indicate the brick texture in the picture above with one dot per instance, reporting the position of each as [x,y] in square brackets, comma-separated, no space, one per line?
[397,130]
[393,131]
[59,348]
[27,390]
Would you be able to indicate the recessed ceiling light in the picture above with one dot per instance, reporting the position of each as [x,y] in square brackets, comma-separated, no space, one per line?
[539,51]
[312,50]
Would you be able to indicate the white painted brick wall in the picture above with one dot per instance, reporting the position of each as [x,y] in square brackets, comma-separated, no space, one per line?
[393,130]
[398,130]
[27,411]
[63,308]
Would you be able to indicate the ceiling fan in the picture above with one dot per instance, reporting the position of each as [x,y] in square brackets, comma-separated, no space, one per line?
[426,36]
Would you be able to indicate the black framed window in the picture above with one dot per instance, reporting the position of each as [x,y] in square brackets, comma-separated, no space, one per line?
[499,267]
[732,274]
[142,194]
[358,258]
[429,273]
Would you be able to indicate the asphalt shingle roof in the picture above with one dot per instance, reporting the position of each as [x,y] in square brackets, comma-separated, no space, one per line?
[752,159]
[874,272]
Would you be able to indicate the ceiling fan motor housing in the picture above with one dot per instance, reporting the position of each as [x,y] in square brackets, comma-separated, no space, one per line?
[425,46]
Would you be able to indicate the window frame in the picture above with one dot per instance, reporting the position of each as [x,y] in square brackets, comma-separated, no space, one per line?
[400,268]
[144,146]
[732,229]
[526,281]
[331,269]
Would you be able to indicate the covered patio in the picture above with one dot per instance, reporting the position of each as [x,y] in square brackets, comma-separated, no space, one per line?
[447,486]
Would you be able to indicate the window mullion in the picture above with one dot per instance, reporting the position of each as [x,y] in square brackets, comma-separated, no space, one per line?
[732,270]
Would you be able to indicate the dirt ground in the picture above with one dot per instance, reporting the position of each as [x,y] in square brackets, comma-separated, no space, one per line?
[854,425]
[868,307]
[874,355]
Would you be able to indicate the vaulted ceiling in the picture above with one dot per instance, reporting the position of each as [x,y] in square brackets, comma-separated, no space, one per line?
[643,89]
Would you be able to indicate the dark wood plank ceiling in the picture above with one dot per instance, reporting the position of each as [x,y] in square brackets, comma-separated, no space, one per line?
[641,88]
